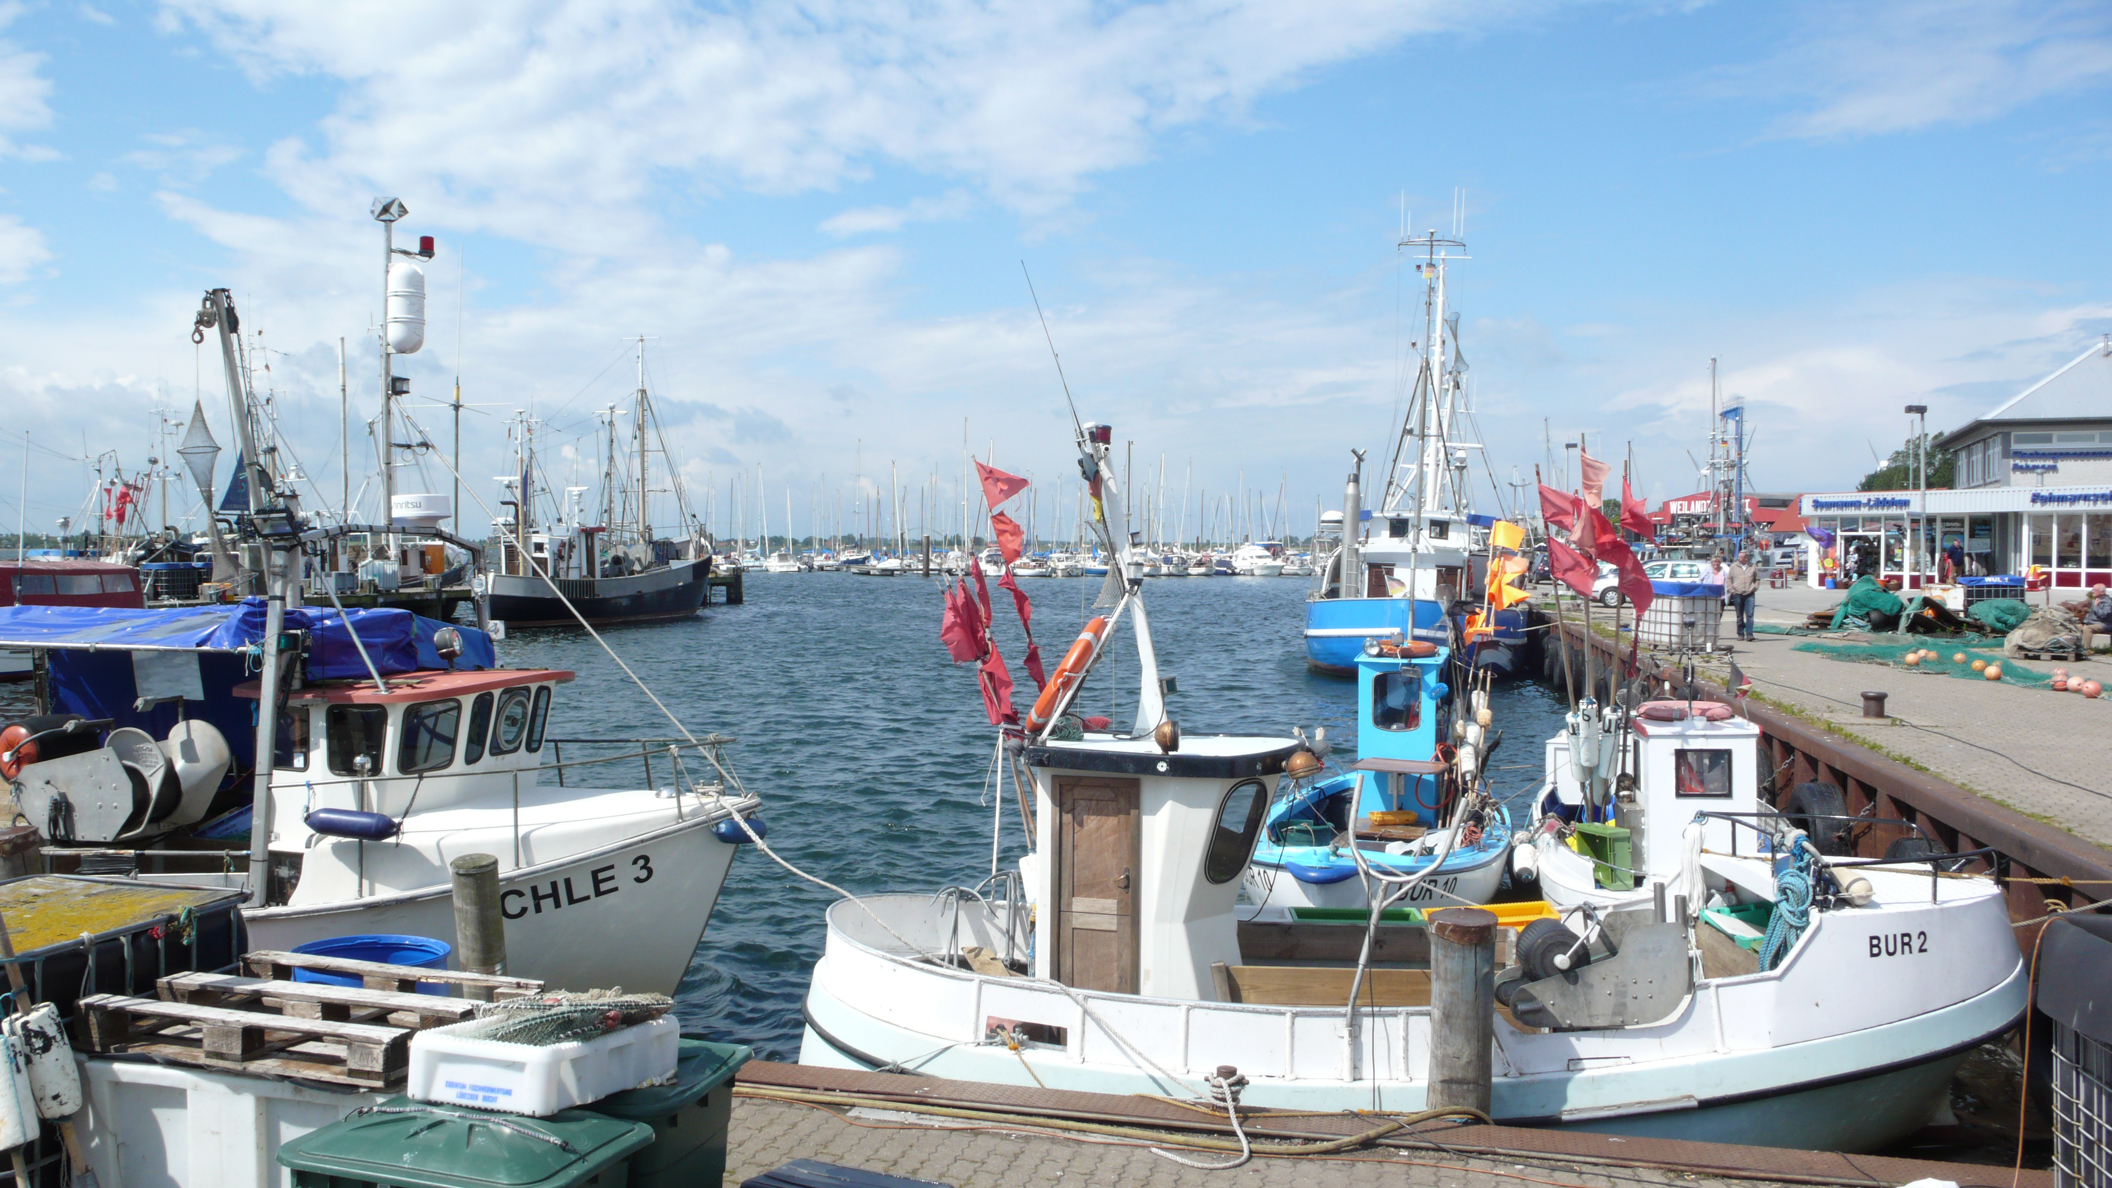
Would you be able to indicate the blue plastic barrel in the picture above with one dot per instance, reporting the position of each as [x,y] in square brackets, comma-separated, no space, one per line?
[418,952]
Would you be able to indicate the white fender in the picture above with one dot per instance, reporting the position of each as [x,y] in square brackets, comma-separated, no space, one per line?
[1525,861]
[54,1078]
[18,1103]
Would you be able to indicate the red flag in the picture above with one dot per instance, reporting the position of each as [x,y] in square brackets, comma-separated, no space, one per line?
[997,690]
[961,626]
[1009,535]
[1558,509]
[1615,551]
[1571,568]
[1026,622]
[997,485]
[1594,478]
[1633,517]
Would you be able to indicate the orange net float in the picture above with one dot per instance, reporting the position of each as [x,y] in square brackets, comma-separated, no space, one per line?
[1067,674]
[16,752]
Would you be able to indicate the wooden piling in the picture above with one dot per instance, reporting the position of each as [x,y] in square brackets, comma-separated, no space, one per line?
[480,929]
[1462,1007]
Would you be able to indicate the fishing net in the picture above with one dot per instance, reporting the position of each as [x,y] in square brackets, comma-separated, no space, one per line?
[564,1017]
[1866,598]
[1999,616]
[1892,651]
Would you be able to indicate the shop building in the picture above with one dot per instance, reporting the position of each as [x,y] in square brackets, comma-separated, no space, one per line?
[2033,495]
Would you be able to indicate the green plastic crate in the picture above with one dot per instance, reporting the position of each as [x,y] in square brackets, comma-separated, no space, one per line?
[1753,915]
[1612,853]
[689,1118]
[413,1144]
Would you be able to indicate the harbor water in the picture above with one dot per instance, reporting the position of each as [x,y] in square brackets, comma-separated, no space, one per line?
[872,752]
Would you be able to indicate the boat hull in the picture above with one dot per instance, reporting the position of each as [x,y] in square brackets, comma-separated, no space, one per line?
[1336,628]
[674,592]
[627,914]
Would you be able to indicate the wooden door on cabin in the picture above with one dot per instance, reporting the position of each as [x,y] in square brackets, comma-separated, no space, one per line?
[1096,891]
[1376,581]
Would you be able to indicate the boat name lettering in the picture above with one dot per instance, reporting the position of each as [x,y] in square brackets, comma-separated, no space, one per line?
[1433,888]
[558,894]
[1895,944]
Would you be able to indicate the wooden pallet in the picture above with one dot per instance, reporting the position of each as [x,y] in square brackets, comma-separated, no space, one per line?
[274,1026]
[375,975]
[363,1054]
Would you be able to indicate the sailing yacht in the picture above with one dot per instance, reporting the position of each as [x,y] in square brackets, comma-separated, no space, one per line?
[620,570]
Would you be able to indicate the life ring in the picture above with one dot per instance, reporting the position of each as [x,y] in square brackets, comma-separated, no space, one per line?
[1414,649]
[1067,674]
[15,752]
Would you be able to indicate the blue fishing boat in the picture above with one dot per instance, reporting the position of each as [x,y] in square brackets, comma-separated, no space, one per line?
[1406,816]
[1416,548]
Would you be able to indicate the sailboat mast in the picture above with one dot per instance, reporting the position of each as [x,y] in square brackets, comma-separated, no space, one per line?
[645,526]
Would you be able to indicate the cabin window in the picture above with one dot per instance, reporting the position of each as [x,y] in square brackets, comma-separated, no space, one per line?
[1397,699]
[354,732]
[289,743]
[1701,773]
[428,742]
[80,583]
[33,583]
[479,723]
[1232,840]
[511,727]
[537,718]
[117,583]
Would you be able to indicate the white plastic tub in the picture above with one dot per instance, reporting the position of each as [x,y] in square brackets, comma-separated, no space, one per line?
[447,1066]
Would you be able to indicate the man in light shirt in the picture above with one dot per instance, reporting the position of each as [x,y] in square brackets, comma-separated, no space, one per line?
[1741,588]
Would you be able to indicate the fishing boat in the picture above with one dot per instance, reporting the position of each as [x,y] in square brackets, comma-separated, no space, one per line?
[396,745]
[1410,564]
[1405,810]
[621,569]
[63,581]
[1112,960]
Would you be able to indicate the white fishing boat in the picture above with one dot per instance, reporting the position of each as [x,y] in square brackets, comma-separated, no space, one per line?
[1112,960]
[781,561]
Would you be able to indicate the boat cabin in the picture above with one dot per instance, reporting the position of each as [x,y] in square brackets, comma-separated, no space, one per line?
[1139,856]
[69,581]
[432,737]
[1687,758]
[1404,709]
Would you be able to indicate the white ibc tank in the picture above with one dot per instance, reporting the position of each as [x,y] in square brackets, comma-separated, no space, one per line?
[420,511]
[406,313]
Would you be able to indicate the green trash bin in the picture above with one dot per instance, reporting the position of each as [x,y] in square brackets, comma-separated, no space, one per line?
[688,1118]
[414,1144]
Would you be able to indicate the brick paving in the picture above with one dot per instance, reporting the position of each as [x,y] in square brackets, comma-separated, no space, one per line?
[2007,742]
[768,1134]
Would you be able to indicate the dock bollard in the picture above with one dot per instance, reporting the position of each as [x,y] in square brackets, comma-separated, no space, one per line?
[480,931]
[1873,705]
[1462,1006]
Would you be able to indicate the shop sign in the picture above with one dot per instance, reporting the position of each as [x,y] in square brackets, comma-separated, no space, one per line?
[1868,503]
[2070,498]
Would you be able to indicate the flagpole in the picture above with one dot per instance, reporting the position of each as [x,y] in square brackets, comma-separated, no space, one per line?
[1590,677]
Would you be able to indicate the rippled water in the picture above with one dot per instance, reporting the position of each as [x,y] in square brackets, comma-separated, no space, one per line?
[870,748]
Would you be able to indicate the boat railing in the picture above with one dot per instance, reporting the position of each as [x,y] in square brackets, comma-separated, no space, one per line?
[641,751]
[1771,828]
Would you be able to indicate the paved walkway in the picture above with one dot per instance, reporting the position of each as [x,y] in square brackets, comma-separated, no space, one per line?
[768,1134]
[2042,753]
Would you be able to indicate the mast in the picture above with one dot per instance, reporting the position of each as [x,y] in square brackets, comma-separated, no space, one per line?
[645,525]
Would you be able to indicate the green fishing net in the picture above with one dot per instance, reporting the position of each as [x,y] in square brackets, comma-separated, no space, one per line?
[1886,651]
[1999,615]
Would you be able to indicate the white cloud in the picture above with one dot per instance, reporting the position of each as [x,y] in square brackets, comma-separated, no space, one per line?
[869,219]
[185,157]
[1873,68]
[24,93]
[91,13]
[21,250]
[517,117]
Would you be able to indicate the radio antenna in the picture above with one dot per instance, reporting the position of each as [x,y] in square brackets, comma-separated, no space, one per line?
[1076,423]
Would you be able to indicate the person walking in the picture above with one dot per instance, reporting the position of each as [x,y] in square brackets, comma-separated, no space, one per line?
[1741,588]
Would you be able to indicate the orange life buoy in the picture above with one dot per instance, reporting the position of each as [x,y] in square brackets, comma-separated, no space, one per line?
[14,755]
[1068,673]
[1419,649]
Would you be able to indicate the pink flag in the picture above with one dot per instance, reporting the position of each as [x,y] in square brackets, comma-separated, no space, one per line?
[997,485]
[1026,622]
[1010,537]
[1594,475]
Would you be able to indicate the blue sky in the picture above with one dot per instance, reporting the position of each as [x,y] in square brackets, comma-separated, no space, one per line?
[819,212]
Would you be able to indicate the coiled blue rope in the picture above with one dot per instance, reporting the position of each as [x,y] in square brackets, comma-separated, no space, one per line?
[1793,886]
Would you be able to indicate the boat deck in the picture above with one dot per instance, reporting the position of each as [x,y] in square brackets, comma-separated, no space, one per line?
[972,1135]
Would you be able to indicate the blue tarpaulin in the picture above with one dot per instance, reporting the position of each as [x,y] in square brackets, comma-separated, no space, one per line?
[396,640]
[91,672]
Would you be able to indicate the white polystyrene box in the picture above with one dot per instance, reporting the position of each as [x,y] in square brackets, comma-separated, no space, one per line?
[539,1080]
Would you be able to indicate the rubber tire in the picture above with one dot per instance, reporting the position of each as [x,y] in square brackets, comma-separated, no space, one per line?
[1610,597]
[1539,941]
[1910,847]
[1809,802]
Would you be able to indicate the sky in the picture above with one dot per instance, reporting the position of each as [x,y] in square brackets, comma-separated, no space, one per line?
[822,217]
